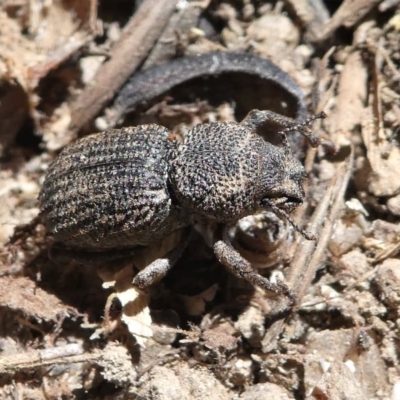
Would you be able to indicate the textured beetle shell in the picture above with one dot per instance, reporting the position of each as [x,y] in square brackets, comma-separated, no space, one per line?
[110,190]
[223,170]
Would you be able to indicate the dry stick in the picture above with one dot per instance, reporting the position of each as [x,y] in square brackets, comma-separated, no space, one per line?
[70,353]
[390,251]
[179,24]
[348,15]
[387,4]
[342,179]
[302,272]
[136,41]
[93,15]
[321,104]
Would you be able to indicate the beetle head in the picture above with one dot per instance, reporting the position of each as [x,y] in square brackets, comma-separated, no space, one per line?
[287,193]
[280,187]
[280,179]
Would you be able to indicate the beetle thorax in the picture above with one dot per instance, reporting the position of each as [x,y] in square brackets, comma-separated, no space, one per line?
[216,171]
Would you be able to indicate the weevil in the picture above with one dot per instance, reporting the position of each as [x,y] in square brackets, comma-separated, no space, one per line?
[110,193]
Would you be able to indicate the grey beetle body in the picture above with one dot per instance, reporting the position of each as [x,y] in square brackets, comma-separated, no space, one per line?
[120,189]
[116,189]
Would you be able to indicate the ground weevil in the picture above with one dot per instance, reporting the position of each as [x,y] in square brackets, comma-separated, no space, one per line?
[111,192]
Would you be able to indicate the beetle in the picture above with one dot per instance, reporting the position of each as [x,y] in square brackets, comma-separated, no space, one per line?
[110,193]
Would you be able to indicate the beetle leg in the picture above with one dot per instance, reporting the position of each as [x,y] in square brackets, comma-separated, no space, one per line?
[240,267]
[257,118]
[159,268]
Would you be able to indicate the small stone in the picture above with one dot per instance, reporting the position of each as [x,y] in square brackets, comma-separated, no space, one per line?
[346,235]
[182,382]
[369,304]
[266,391]
[388,282]
[354,265]
[393,205]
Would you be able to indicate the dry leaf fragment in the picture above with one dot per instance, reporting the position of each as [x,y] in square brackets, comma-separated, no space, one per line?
[135,305]
[22,295]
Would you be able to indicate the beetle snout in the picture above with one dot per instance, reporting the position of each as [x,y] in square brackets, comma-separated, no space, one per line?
[294,200]
[288,199]
[288,202]
[291,202]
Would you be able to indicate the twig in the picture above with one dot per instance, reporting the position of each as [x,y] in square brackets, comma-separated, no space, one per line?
[301,281]
[348,15]
[308,255]
[136,40]
[388,4]
[180,23]
[70,353]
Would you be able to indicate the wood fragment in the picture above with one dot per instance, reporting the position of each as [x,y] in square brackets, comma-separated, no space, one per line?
[351,100]
[23,297]
[136,40]
[390,251]
[179,24]
[388,4]
[301,281]
[326,84]
[27,58]
[348,15]
[383,158]
[68,354]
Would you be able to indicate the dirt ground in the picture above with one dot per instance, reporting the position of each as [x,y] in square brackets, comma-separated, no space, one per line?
[72,331]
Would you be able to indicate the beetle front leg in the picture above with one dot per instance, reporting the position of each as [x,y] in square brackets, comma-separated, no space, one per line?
[255,119]
[238,266]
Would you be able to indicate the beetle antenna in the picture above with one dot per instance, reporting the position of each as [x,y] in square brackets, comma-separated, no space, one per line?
[284,214]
